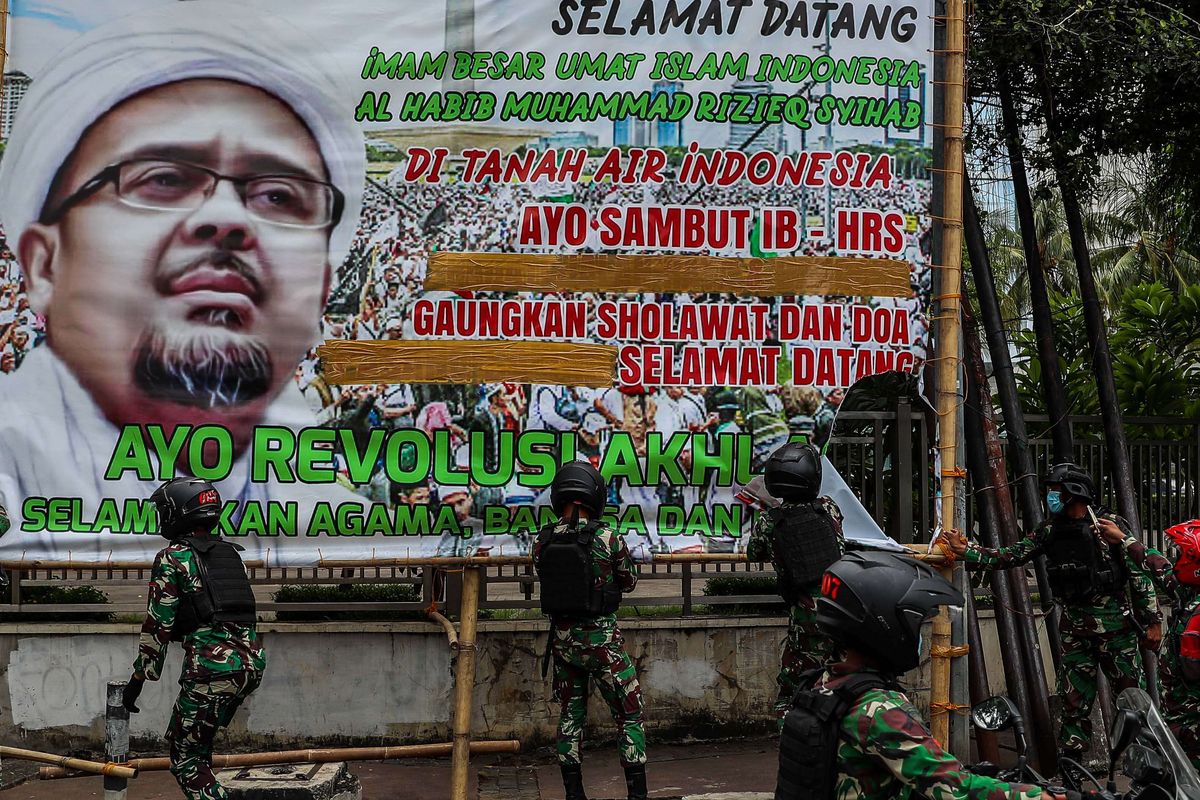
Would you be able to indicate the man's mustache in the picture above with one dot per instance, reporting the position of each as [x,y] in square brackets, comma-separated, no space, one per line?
[165,278]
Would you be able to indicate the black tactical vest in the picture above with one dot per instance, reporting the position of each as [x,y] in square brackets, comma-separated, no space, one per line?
[566,573]
[805,543]
[224,595]
[812,731]
[1079,566]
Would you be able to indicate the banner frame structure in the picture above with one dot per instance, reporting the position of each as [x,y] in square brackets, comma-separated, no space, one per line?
[947,343]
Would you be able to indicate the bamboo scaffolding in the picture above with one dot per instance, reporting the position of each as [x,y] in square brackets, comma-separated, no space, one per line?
[947,357]
[67,763]
[464,685]
[311,756]
[917,551]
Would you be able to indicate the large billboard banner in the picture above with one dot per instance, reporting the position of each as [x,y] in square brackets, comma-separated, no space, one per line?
[376,269]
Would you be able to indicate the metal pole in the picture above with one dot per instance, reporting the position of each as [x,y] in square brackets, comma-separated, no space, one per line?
[948,358]
[116,740]
[464,685]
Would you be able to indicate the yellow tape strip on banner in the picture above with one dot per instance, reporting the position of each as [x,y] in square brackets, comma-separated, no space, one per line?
[621,274]
[386,361]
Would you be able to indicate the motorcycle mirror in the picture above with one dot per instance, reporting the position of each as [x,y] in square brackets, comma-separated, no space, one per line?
[1125,728]
[994,714]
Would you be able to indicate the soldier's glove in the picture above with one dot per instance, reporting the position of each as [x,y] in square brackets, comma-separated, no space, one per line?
[129,694]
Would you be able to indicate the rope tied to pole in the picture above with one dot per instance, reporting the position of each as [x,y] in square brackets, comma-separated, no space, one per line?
[955,651]
[937,709]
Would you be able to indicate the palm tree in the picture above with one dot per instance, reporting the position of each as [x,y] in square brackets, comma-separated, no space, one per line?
[1139,231]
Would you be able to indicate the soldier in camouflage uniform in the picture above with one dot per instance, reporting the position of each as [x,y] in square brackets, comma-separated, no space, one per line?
[796,481]
[1179,581]
[1101,630]
[873,605]
[223,661]
[584,567]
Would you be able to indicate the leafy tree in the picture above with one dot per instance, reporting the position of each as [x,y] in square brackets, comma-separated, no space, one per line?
[1155,335]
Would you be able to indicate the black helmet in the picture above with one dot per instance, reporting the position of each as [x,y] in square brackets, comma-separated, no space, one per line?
[183,504]
[581,482]
[876,602]
[793,473]
[1074,479]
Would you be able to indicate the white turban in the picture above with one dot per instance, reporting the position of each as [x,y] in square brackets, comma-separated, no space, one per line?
[184,41]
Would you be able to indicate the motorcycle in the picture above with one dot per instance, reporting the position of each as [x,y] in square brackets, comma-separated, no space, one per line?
[1155,764]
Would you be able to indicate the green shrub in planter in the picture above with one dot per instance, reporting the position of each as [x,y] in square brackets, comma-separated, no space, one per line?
[733,585]
[64,595]
[348,593]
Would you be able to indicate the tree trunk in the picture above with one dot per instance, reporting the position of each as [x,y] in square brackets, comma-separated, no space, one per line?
[1014,419]
[1093,315]
[992,485]
[1043,325]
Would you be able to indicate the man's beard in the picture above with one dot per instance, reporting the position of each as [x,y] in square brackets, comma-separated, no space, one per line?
[213,368]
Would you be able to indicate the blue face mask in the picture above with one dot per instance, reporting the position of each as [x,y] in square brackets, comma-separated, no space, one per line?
[1054,502]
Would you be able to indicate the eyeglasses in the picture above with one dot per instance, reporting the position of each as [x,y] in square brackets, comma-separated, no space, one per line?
[160,184]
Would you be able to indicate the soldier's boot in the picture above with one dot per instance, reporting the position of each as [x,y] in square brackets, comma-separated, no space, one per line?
[635,781]
[572,775]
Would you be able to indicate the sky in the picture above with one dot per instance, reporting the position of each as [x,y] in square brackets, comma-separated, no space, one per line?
[347,32]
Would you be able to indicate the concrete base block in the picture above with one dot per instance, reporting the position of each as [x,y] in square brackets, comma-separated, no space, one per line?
[292,782]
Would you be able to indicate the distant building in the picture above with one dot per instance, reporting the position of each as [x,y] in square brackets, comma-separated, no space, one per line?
[633,133]
[16,84]
[772,137]
[630,132]
[666,133]
[563,139]
[621,131]
[903,93]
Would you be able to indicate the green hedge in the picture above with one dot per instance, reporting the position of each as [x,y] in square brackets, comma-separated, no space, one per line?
[64,595]
[733,585]
[348,593]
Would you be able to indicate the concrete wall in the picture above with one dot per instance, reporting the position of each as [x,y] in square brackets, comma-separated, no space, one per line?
[360,683]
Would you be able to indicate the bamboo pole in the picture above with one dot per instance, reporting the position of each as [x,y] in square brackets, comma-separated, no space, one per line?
[947,355]
[464,685]
[1000,529]
[25,566]
[79,764]
[431,561]
[312,756]
[3,47]
[447,626]
[1014,420]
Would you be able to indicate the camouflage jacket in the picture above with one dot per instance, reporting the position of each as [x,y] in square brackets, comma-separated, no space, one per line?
[1104,615]
[887,753]
[4,522]
[611,563]
[1185,603]
[761,546]
[210,653]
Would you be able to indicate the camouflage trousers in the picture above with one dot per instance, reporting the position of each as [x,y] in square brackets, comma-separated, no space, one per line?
[610,668]
[1116,653]
[805,647]
[200,711]
[1181,710]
